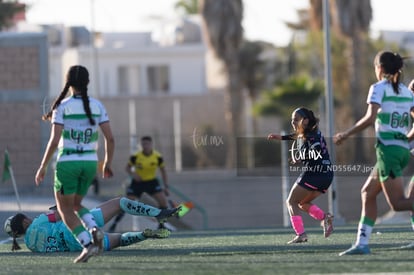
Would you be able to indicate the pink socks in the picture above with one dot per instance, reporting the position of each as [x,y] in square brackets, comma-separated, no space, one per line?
[297,224]
[297,221]
[316,213]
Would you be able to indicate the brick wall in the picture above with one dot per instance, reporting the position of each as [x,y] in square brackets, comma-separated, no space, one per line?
[23,85]
[19,68]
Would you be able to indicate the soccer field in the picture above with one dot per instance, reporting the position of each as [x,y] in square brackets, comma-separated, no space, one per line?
[254,251]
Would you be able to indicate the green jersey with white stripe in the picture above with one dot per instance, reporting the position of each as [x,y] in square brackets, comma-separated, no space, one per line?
[393,119]
[79,140]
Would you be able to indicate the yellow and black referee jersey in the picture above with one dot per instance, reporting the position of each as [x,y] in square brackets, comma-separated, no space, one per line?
[146,165]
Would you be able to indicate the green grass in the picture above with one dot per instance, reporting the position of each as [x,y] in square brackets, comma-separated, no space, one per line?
[255,251]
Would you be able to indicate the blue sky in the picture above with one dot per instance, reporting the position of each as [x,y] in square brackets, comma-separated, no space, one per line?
[263,19]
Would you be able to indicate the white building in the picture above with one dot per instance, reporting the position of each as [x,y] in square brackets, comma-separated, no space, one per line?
[404,39]
[170,61]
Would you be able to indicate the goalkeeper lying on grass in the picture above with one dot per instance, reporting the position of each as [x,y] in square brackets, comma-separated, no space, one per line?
[47,232]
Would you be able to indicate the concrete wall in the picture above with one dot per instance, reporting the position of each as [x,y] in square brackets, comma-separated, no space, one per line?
[23,86]
[231,201]
[132,118]
[25,135]
[225,200]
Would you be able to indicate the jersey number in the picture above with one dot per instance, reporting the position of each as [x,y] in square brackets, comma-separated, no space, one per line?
[399,121]
[81,136]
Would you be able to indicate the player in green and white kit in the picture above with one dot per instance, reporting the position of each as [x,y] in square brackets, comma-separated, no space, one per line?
[47,233]
[391,107]
[75,123]
[411,184]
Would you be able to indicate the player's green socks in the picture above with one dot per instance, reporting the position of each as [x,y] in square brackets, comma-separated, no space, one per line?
[85,215]
[364,230]
[412,220]
[82,235]
[138,208]
[129,238]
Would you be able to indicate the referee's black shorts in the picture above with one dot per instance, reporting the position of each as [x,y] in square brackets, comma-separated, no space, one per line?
[136,188]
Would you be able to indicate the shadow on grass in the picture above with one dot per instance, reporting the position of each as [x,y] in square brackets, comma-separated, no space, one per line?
[233,250]
[281,231]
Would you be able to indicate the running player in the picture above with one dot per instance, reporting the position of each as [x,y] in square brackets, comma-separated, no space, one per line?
[411,184]
[316,176]
[47,233]
[75,120]
[390,107]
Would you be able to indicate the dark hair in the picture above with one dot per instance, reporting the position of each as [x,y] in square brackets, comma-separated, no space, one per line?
[16,225]
[312,120]
[391,63]
[78,78]
[146,138]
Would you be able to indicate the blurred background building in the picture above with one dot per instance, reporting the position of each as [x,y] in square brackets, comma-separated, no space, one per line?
[169,84]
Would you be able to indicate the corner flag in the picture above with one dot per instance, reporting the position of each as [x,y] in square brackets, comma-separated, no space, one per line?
[6,167]
[8,174]
[185,208]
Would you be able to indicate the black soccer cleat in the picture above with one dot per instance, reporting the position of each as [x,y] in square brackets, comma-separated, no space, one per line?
[168,213]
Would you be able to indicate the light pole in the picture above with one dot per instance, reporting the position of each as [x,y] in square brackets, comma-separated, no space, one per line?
[329,113]
[94,56]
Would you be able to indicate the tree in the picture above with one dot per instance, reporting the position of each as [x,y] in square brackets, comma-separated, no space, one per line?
[223,29]
[252,72]
[350,23]
[251,66]
[187,6]
[352,20]
[7,11]
[293,93]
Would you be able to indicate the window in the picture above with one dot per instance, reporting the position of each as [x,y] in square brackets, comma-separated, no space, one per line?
[158,79]
[123,87]
[128,80]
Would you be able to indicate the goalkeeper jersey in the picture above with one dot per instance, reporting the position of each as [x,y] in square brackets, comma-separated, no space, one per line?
[45,236]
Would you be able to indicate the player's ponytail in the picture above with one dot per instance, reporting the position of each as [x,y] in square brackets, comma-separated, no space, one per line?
[313,122]
[78,78]
[86,106]
[15,244]
[392,64]
[17,229]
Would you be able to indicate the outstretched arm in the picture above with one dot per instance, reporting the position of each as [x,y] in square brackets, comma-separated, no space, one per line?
[367,120]
[280,137]
[274,136]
